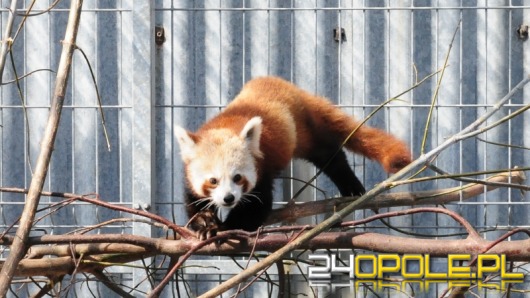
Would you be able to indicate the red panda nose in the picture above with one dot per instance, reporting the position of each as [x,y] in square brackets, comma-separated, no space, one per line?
[229,199]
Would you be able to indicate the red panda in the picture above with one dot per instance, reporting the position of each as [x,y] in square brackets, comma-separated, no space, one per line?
[231,161]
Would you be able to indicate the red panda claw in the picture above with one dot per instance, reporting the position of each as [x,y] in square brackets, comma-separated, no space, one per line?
[205,224]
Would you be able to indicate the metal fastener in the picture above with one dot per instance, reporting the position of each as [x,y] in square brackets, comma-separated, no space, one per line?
[160,36]
[522,32]
[339,34]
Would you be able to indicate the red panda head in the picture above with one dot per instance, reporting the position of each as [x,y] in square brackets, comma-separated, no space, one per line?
[220,164]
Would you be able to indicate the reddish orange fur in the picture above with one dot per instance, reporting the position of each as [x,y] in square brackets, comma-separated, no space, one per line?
[272,98]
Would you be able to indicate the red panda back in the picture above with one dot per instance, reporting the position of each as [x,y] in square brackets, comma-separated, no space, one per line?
[316,120]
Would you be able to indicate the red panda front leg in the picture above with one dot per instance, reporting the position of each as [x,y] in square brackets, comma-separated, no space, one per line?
[203,221]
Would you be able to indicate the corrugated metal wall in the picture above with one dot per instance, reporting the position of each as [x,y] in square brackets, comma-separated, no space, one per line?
[211,49]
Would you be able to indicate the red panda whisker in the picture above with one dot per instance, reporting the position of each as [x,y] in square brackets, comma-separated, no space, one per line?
[197,202]
[210,204]
[245,200]
[245,196]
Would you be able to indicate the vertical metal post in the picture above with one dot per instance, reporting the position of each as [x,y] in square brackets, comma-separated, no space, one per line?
[526,90]
[400,74]
[492,84]
[143,118]
[446,116]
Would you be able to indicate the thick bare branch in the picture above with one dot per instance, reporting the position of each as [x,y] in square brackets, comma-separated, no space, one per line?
[18,248]
[434,197]
[514,250]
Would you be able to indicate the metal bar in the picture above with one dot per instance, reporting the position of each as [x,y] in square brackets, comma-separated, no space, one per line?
[143,180]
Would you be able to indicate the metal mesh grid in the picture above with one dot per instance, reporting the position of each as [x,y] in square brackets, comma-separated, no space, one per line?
[212,48]
[215,46]
[81,162]
[389,48]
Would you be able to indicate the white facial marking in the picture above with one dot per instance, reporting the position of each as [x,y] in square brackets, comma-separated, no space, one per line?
[221,154]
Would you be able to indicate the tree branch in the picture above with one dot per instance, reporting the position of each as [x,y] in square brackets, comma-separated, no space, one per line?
[7,40]
[18,248]
[101,251]
[292,212]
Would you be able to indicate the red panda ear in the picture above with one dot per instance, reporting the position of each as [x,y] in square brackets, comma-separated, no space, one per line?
[251,133]
[186,142]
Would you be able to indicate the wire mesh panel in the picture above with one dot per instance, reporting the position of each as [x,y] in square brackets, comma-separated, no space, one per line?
[357,54]
[443,63]
[82,162]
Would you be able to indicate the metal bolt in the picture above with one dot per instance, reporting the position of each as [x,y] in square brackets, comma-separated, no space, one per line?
[339,34]
[522,32]
[160,36]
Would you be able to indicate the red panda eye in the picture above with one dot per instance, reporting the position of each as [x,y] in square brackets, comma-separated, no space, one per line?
[236,178]
[213,181]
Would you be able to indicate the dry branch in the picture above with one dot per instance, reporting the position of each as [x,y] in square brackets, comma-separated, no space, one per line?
[101,251]
[76,197]
[291,212]
[434,197]
[18,248]
[7,40]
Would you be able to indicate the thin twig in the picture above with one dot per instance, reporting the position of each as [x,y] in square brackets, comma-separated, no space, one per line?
[7,40]
[98,96]
[180,230]
[27,14]
[498,122]
[26,75]
[23,21]
[463,177]
[519,177]
[44,291]
[24,110]
[469,228]
[110,284]
[158,289]
[436,91]
[503,144]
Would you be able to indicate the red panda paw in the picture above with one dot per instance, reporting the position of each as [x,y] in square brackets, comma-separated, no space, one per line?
[205,224]
[393,164]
